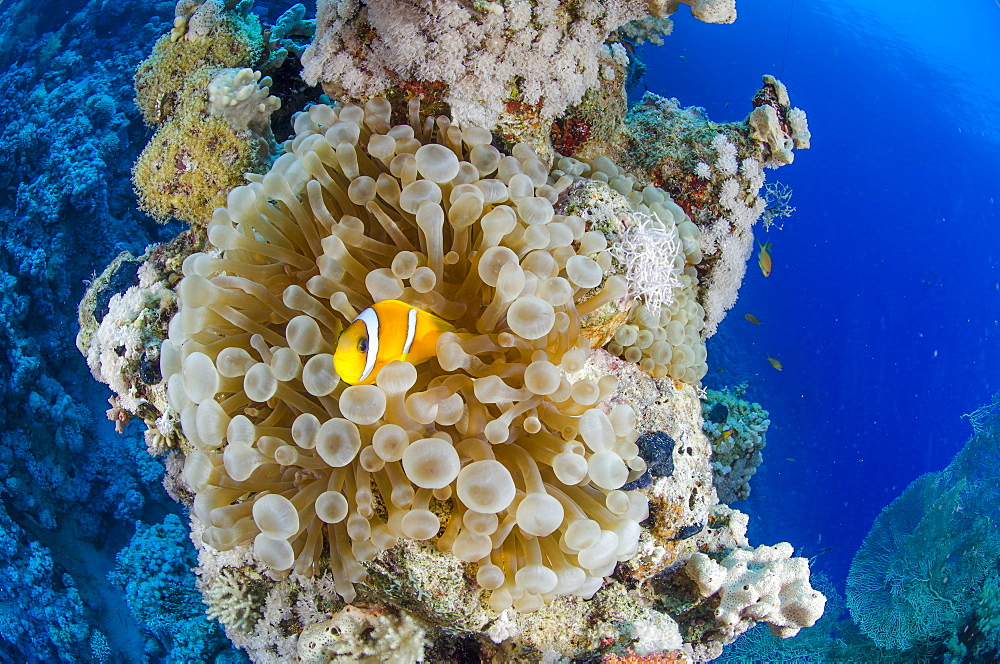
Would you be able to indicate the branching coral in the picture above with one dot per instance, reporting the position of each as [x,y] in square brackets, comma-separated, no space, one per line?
[231,601]
[777,197]
[521,465]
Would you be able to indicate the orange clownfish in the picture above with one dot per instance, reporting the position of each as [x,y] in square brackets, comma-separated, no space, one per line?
[387,331]
[764,258]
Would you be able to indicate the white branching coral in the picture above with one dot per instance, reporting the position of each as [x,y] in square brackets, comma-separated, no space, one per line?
[729,237]
[725,152]
[651,251]
[488,450]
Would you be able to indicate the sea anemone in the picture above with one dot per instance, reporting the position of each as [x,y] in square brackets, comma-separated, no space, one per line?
[487,451]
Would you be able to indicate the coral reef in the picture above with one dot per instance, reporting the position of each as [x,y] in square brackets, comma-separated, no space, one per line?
[70,488]
[275,377]
[715,173]
[154,573]
[211,109]
[917,578]
[539,486]
[43,615]
[737,429]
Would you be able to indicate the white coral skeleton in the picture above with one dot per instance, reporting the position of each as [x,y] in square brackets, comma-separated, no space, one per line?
[649,250]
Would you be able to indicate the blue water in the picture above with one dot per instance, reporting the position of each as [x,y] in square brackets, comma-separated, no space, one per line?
[882,306]
[884,300]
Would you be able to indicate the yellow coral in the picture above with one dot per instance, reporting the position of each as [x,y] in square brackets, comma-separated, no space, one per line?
[163,80]
[193,159]
[189,165]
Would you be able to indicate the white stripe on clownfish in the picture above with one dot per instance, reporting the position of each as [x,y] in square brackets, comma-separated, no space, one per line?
[411,330]
[370,319]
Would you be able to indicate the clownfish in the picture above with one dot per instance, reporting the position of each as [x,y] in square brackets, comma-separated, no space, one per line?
[386,331]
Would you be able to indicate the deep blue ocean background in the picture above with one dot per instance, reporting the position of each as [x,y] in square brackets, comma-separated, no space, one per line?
[882,305]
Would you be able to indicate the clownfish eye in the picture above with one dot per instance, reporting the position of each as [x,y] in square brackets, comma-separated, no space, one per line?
[363,345]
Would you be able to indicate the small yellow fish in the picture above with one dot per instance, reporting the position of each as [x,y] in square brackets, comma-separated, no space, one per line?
[387,331]
[774,363]
[764,258]
[726,434]
[752,318]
